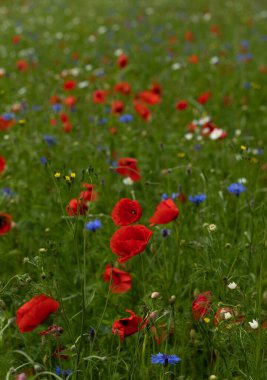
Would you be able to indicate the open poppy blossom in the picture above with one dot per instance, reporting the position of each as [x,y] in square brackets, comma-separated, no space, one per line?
[128,326]
[76,207]
[165,212]
[127,167]
[117,107]
[99,96]
[120,281]
[88,195]
[129,241]
[181,105]
[201,305]
[2,164]
[122,61]
[5,223]
[124,88]
[70,101]
[142,110]
[35,311]
[126,212]
[156,88]
[69,85]
[149,97]
[204,97]
[5,123]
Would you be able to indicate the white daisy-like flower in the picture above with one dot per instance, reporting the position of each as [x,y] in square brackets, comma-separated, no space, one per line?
[216,134]
[128,181]
[232,285]
[214,60]
[91,38]
[176,66]
[102,29]
[188,136]
[242,180]
[227,315]
[118,52]
[254,324]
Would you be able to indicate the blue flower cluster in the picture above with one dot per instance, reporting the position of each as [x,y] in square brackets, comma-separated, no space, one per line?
[197,199]
[236,188]
[164,359]
[93,225]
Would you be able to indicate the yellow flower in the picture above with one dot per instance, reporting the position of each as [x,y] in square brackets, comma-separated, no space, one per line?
[67,178]
[73,175]
[207,320]
[57,175]
[22,121]
[181,155]
[243,147]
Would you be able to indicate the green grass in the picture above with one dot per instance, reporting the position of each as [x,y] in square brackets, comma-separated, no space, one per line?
[49,252]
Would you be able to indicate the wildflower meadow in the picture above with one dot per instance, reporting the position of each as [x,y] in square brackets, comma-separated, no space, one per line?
[133,180]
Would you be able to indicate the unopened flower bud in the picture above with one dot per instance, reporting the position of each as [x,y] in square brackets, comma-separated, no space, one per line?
[172,299]
[155,295]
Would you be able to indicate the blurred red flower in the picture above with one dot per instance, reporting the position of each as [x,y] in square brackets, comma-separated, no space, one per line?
[76,207]
[181,105]
[2,164]
[122,61]
[99,96]
[201,305]
[70,101]
[5,124]
[16,39]
[69,85]
[166,211]
[126,211]
[128,326]
[5,223]
[22,65]
[117,107]
[35,311]
[123,87]
[149,97]
[204,97]
[129,241]
[127,167]
[120,281]
[156,88]
[88,195]
[142,110]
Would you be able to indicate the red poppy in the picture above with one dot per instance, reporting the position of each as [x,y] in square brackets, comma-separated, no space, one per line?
[127,167]
[5,124]
[22,65]
[204,97]
[53,330]
[201,305]
[149,97]
[35,311]
[16,39]
[122,61]
[123,87]
[127,326]
[156,88]
[55,99]
[193,59]
[5,223]
[99,96]
[188,36]
[2,164]
[117,107]
[64,117]
[181,105]
[166,211]
[88,195]
[126,212]
[70,101]
[76,207]
[67,127]
[129,241]
[69,85]
[120,281]
[142,110]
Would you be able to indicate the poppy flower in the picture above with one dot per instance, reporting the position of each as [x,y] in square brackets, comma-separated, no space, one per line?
[2,164]
[122,61]
[201,305]
[22,65]
[127,326]
[129,241]
[117,107]
[5,123]
[142,110]
[124,88]
[181,105]
[166,211]
[70,101]
[204,97]
[88,195]
[126,212]
[55,99]
[16,39]
[53,330]
[120,281]
[5,223]
[69,85]
[156,88]
[76,207]
[193,59]
[188,36]
[149,97]
[35,311]
[99,96]
[127,167]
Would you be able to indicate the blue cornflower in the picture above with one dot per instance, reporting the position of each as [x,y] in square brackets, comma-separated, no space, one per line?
[164,197]
[127,118]
[165,232]
[50,140]
[236,188]
[63,372]
[197,199]
[7,192]
[56,107]
[8,116]
[164,359]
[93,225]
[43,160]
